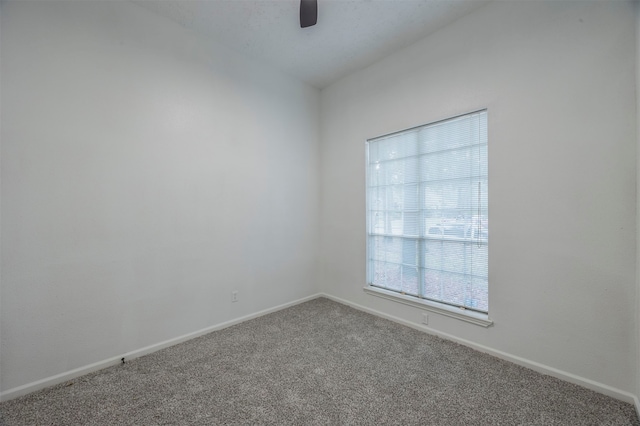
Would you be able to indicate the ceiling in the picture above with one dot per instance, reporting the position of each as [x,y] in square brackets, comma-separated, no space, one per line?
[349,35]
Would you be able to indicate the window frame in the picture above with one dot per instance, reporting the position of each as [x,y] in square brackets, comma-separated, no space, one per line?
[443,308]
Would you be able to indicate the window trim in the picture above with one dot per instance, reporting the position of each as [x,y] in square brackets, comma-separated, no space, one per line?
[460,313]
[463,314]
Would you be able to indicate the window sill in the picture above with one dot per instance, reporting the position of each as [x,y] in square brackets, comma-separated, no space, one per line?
[439,308]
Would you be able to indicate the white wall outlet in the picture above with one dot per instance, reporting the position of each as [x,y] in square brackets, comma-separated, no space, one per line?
[234,296]
[425,319]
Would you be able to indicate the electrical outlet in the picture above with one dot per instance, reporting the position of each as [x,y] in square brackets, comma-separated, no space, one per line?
[234,296]
[425,319]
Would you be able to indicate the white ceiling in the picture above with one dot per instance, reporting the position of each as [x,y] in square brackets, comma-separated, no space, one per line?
[350,34]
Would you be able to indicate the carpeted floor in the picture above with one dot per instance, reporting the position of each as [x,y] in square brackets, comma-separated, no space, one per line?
[317,363]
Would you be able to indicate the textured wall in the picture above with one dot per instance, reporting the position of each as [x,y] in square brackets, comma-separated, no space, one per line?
[556,79]
[143,180]
[637,369]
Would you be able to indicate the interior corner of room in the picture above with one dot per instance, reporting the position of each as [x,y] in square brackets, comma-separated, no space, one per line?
[157,184]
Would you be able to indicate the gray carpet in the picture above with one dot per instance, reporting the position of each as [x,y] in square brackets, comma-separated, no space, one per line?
[317,363]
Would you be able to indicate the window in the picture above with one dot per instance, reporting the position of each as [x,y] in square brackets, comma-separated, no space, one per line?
[427,213]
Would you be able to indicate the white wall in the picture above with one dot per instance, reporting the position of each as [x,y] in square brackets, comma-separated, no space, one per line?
[143,179]
[556,78]
[637,370]
[140,173]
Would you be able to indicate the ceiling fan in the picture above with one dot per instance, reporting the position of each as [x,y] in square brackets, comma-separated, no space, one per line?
[308,13]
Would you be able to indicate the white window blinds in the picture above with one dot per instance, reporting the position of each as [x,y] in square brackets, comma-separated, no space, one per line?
[427,212]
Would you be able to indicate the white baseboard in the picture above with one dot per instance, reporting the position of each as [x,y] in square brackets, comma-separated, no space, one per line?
[541,368]
[72,374]
[536,366]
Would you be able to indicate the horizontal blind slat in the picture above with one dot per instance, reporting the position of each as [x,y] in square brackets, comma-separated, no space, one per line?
[427,211]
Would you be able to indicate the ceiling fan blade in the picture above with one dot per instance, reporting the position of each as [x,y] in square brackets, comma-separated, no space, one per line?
[308,13]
